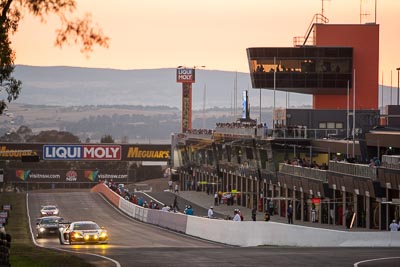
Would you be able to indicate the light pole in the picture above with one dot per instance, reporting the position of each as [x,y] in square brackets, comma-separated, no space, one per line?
[398,76]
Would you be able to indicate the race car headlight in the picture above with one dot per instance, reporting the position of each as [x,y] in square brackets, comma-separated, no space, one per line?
[42,229]
[43,212]
[103,234]
[55,212]
[76,235]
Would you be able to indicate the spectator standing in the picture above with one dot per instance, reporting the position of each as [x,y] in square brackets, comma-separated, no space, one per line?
[216,199]
[313,213]
[176,189]
[271,207]
[140,201]
[170,185]
[219,197]
[290,214]
[175,204]
[254,214]
[210,213]
[228,199]
[393,227]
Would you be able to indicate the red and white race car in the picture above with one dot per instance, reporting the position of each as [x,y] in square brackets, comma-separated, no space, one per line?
[49,210]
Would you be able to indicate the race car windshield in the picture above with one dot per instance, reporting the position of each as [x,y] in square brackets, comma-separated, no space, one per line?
[49,221]
[86,226]
[49,208]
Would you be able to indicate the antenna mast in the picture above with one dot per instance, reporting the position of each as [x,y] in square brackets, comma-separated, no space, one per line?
[204,107]
[322,10]
[366,5]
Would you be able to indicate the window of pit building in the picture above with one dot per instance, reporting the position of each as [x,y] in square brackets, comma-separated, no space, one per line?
[330,125]
[322,125]
[339,125]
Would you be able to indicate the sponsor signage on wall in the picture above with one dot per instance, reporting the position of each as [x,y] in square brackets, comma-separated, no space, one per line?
[96,175]
[185,75]
[82,152]
[67,176]
[146,152]
[35,175]
[7,152]
[86,152]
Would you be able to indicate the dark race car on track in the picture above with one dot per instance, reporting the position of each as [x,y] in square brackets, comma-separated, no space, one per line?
[82,232]
[47,226]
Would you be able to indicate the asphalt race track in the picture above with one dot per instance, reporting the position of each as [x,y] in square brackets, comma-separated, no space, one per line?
[133,243]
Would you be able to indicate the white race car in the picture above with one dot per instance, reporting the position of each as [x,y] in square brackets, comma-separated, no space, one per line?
[49,210]
[82,232]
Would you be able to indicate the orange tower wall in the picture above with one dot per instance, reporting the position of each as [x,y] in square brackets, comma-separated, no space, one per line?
[364,38]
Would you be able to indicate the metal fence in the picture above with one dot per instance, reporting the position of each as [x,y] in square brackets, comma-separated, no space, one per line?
[361,170]
[300,171]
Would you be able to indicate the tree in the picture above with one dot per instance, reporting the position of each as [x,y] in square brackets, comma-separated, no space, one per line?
[77,30]
[54,136]
[107,139]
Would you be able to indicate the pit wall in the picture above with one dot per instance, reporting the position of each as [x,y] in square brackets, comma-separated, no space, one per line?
[249,233]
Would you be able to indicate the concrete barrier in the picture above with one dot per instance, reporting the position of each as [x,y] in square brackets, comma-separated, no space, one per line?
[170,220]
[108,193]
[249,233]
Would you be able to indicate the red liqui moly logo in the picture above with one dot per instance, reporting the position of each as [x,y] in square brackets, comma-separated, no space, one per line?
[82,152]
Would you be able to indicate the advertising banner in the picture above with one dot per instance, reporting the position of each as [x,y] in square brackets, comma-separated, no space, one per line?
[66,176]
[185,75]
[11,151]
[82,152]
[146,152]
[86,152]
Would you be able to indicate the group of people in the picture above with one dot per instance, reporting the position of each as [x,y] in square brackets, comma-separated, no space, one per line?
[173,188]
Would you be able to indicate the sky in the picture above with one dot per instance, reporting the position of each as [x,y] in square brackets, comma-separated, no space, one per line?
[213,33]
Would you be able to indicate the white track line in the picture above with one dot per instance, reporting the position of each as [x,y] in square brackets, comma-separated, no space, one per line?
[60,249]
[378,259]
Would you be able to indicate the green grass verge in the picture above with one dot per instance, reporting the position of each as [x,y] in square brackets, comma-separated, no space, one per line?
[23,252]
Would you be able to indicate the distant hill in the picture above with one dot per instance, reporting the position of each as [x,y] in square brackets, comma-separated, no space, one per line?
[74,86]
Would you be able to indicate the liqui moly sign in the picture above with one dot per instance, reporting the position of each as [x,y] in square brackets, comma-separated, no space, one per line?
[185,76]
[81,152]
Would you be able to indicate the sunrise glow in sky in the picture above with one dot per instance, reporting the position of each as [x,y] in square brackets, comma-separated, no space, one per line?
[215,33]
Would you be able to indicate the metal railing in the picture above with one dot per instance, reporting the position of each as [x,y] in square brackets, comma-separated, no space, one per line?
[306,172]
[285,133]
[360,170]
[391,161]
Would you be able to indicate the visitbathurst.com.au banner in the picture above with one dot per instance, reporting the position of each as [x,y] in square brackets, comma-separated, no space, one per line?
[50,176]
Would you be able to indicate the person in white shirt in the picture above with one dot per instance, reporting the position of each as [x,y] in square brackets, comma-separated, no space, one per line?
[236,218]
[210,213]
[394,227]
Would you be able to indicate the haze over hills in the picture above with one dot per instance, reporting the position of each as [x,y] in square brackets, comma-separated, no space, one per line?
[75,86]
[134,105]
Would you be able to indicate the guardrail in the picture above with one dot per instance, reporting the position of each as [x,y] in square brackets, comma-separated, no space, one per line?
[391,161]
[313,173]
[285,132]
[360,170]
